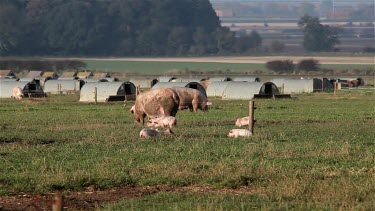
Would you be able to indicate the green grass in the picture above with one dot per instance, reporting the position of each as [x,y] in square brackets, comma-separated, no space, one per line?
[155,68]
[315,150]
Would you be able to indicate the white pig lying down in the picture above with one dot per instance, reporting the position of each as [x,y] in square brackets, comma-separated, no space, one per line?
[242,121]
[235,133]
[166,121]
[149,133]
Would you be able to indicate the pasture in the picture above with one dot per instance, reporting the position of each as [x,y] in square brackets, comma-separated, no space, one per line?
[314,151]
[227,65]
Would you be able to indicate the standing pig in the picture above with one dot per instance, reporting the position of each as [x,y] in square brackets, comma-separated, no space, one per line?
[235,133]
[155,103]
[168,121]
[148,133]
[242,121]
[17,93]
[192,99]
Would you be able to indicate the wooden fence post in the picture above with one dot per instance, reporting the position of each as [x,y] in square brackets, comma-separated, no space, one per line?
[334,88]
[58,202]
[96,95]
[251,115]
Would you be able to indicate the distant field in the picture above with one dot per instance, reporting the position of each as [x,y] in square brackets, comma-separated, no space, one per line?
[228,64]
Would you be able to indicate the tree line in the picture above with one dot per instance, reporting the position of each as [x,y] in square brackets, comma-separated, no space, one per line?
[116,28]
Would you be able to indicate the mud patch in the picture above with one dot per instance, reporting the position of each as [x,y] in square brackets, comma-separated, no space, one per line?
[93,198]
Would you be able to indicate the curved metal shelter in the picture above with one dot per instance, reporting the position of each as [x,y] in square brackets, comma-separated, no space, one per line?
[166,78]
[216,88]
[220,79]
[94,80]
[9,79]
[238,90]
[193,85]
[298,86]
[186,80]
[144,83]
[29,89]
[246,79]
[63,86]
[107,91]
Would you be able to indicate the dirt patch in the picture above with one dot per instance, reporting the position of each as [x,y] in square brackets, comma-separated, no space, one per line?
[93,198]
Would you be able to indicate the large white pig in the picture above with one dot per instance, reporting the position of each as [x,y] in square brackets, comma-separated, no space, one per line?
[155,103]
[149,132]
[242,121]
[235,133]
[17,93]
[192,99]
[168,121]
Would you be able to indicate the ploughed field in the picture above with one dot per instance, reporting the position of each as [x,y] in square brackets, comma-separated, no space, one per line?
[314,151]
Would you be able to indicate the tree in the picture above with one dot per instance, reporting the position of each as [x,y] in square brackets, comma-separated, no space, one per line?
[318,37]
[306,9]
[280,66]
[277,46]
[308,65]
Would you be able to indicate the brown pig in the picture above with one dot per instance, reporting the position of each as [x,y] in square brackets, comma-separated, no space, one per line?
[17,93]
[235,133]
[155,103]
[149,132]
[168,121]
[192,99]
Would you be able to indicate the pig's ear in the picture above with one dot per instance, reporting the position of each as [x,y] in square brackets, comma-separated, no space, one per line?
[209,103]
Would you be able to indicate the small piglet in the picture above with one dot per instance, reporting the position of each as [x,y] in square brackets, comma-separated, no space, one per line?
[242,121]
[235,133]
[166,121]
[148,133]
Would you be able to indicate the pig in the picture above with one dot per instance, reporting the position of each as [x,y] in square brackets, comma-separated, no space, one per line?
[235,133]
[149,132]
[17,93]
[168,121]
[242,121]
[155,103]
[191,99]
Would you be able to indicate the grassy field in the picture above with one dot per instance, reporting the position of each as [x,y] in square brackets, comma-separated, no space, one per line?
[314,151]
[155,67]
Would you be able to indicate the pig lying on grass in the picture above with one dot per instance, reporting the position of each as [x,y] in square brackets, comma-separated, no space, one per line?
[235,133]
[149,133]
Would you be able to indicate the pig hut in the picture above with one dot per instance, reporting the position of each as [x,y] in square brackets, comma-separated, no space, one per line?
[7,74]
[110,91]
[193,85]
[30,89]
[216,88]
[246,79]
[47,76]
[144,83]
[238,90]
[166,79]
[220,79]
[106,76]
[63,85]
[298,86]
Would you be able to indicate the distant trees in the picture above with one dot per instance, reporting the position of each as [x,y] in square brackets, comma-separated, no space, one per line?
[318,37]
[280,66]
[117,28]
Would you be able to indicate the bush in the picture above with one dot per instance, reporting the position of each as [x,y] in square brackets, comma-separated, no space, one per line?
[280,66]
[277,46]
[369,49]
[42,65]
[308,65]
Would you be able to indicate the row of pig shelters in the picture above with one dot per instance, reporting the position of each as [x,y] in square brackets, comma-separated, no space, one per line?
[193,85]
[239,90]
[109,91]
[29,89]
[299,86]
[145,83]
[63,85]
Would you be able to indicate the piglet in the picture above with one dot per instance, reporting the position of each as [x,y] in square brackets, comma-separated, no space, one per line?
[242,121]
[148,133]
[167,121]
[235,133]
[17,93]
